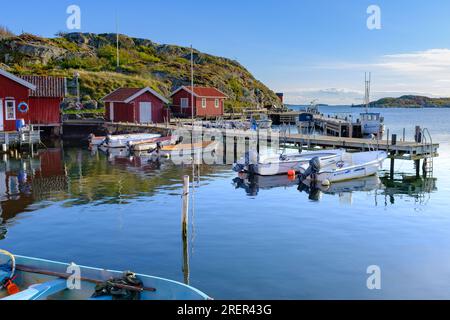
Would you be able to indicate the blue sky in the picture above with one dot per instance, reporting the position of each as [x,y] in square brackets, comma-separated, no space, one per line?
[306,48]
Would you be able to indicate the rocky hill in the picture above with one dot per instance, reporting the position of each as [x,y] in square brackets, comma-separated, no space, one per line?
[142,63]
[410,101]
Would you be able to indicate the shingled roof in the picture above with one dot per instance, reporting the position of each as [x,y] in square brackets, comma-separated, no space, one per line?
[203,92]
[127,95]
[46,86]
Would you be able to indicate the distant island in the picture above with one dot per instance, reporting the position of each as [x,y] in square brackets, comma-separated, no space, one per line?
[409,101]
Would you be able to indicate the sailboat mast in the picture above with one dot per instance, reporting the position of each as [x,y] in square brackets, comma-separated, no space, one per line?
[117,41]
[192,86]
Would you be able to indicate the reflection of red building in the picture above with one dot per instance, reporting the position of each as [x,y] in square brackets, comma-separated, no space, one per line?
[24,182]
[34,99]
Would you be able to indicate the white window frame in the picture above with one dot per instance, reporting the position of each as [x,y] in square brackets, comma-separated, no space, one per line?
[204,103]
[185,104]
[7,117]
[217,103]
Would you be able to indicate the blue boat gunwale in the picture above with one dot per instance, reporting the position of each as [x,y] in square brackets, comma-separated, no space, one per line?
[62,264]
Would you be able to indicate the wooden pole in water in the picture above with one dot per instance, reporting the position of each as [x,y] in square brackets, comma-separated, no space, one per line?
[184,224]
[185,210]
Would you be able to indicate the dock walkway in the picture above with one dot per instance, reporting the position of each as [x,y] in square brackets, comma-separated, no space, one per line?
[405,150]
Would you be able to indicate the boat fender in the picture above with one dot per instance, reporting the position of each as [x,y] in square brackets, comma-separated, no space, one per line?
[326,183]
[291,174]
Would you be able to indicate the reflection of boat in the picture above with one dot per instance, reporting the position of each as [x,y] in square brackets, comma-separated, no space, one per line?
[47,280]
[252,184]
[281,163]
[363,184]
[352,166]
[315,189]
[121,141]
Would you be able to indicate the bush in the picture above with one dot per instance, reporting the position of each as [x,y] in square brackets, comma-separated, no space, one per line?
[5,33]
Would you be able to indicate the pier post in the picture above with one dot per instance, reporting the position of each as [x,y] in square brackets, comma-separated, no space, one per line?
[418,135]
[391,172]
[394,140]
[424,168]
[185,209]
[417,165]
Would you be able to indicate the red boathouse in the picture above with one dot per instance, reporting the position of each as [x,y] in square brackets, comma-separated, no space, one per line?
[136,105]
[34,99]
[208,102]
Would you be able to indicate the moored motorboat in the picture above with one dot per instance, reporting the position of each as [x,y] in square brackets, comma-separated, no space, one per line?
[352,166]
[150,144]
[121,141]
[25,278]
[187,148]
[281,163]
[96,141]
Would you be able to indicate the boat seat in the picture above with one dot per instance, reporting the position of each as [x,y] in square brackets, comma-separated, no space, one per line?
[40,291]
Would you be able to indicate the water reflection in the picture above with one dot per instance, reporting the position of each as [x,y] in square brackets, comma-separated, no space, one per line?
[418,188]
[24,181]
[415,187]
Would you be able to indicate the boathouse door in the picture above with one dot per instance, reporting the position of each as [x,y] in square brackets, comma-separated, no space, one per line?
[145,111]
[1,115]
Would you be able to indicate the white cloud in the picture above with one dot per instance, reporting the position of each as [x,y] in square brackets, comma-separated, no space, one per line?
[421,72]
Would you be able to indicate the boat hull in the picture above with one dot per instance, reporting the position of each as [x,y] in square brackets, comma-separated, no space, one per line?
[364,164]
[275,166]
[122,141]
[165,289]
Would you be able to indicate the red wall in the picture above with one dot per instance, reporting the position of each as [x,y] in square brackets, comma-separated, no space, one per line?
[176,103]
[210,109]
[11,89]
[129,112]
[45,111]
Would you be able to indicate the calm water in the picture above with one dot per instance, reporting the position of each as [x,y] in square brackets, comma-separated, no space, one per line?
[249,239]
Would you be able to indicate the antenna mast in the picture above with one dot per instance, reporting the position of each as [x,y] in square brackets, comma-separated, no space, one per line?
[367,81]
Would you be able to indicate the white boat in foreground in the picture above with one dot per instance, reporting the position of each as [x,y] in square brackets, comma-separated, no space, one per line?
[281,163]
[352,166]
[122,141]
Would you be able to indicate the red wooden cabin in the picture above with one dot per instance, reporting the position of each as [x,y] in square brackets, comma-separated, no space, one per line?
[207,101]
[34,99]
[136,105]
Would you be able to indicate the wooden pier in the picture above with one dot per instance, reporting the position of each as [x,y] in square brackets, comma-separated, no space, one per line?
[421,149]
[15,139]
[405,150]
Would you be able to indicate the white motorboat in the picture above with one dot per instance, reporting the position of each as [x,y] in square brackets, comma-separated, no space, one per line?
[281,163]
[184,149]
[122,141]
[352,166]
[95,141]
[151,144]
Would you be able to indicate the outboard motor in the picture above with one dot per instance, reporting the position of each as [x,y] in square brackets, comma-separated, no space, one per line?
[313,169]
[158,147]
